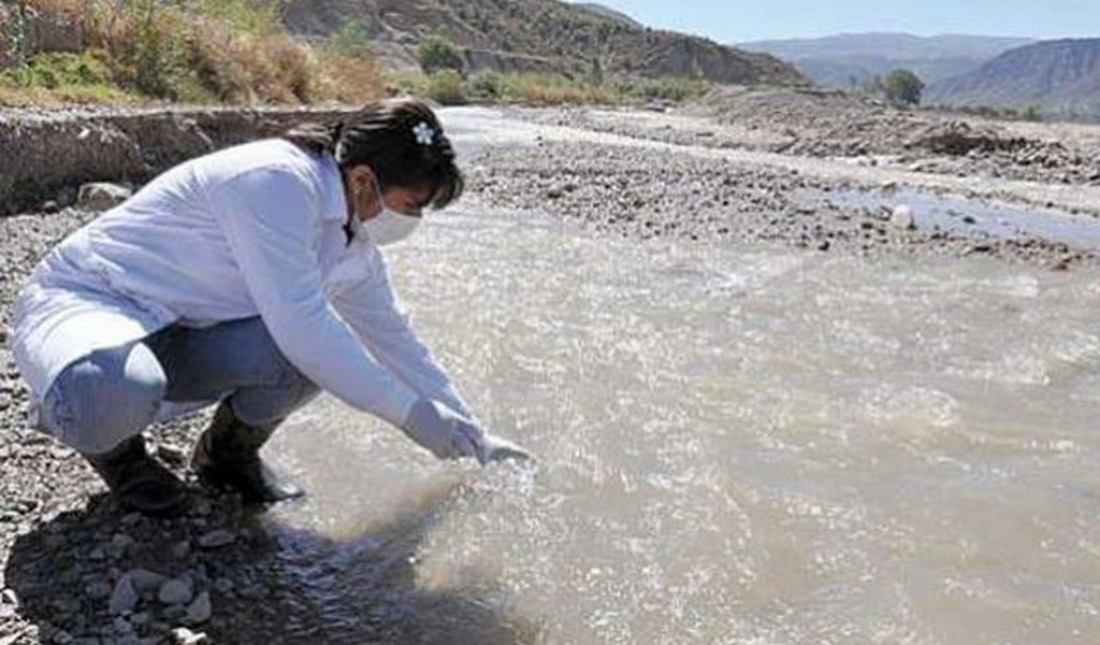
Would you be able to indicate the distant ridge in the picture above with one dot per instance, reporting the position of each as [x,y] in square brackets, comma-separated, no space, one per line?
[1062,77]
[847,59]
[608,12]
[536,36]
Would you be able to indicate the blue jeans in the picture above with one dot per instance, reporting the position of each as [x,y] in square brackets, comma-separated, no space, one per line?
[114,394]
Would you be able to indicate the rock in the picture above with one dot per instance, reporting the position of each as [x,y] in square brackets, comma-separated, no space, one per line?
[181,550]
[199,611]
[184,636]
[98,590]
[174,455]
[217,539]
[224,585]
[147,581]
[122,626]
[177,592]
[51,207]
[124,598]
[116,548]
[100,197]
[902,218]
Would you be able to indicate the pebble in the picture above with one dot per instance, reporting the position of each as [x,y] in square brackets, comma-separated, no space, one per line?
[199,611]
[101,196]
[124,598]
[98,590]
[184,636]
[178,591]
[217,539]
[902,217]
[147,581]
[181,550]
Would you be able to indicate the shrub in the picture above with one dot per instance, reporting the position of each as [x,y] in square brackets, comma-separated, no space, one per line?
[903,87]
[486,85]
[229,51]
[447,87]
[438,54]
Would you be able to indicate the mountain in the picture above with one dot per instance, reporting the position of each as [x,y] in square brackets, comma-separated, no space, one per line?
[1062,77]
[608,12]
[534,36]
[850,59]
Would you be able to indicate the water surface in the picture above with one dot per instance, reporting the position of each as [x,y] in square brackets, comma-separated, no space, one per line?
[737,444]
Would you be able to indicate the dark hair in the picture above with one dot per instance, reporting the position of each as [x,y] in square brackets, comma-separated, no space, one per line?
[400,139]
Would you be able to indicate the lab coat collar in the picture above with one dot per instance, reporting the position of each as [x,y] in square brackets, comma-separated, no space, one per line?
[336,203]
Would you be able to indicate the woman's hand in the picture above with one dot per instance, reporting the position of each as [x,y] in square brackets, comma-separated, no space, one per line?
[441,430]
[449,435]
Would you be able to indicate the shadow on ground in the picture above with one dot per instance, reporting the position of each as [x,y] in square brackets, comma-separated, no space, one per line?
[271,584]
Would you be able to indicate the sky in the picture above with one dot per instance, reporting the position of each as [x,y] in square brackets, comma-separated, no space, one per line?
[735,21]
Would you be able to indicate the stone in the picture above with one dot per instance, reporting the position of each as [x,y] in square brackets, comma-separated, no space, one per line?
[217,539]
[902,217]
[98,197]
[51,207]
[124,598]
[181,550]
[184,636]
[98,590]
[146,581]
[178,591]
[199,611]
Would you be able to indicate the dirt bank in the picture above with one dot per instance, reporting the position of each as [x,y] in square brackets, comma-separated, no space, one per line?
[47,153]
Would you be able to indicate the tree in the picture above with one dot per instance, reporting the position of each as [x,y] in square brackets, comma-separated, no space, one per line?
[438,54]
[903,87]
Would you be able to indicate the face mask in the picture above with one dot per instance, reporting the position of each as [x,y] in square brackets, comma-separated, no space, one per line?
[387,227]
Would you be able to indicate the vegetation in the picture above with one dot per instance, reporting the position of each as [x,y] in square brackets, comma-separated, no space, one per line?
[486,86]
[438,54]
[201,51]
[236,52]
[903,87]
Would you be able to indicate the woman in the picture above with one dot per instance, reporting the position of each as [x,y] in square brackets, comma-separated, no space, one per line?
[250,277]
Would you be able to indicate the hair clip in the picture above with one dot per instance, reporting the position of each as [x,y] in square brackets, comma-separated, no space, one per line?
[424,134]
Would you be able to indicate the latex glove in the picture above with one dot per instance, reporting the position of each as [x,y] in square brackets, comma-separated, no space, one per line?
[492,448]
[444,432]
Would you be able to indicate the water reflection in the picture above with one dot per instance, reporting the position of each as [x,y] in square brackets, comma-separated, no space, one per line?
[737,444]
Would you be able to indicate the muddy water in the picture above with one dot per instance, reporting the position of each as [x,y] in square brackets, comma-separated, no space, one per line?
[736,445]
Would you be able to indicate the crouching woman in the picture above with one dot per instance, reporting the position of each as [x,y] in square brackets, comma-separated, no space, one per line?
[250,278]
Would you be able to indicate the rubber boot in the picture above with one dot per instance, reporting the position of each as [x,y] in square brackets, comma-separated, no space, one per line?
[138,481]
[227,455]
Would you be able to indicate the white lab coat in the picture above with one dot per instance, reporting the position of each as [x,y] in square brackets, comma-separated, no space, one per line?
[251,230]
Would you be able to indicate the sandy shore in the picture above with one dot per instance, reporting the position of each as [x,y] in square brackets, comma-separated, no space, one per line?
[69,554]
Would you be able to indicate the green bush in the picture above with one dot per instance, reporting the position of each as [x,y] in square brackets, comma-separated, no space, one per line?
[438,54]
[486,85]
[447,87]
[903,87]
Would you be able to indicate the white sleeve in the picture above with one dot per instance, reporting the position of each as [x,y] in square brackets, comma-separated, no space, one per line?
[271,220]
[372,309]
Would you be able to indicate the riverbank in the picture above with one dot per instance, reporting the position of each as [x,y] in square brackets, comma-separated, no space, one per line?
[77,570]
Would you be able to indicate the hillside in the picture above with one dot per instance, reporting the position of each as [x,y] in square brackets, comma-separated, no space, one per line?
[1062,77]
[534,35]
[838,61]
[608,12]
